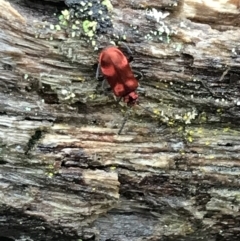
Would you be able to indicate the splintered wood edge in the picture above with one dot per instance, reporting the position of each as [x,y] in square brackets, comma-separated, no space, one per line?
[9,13]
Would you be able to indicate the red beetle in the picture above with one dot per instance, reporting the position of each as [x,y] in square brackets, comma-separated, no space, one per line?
[116,69]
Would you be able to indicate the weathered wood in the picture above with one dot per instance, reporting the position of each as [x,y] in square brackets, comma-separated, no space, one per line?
[65,174]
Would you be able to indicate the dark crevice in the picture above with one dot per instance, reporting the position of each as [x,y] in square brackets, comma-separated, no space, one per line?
[225,144]
[29,118]
[3,162]
[2,238]
[34,139]
[3,113]
[7,67]
[17,224]
[188,59]
[48,95]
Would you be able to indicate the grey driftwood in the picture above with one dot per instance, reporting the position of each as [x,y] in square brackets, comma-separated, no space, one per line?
[173,174]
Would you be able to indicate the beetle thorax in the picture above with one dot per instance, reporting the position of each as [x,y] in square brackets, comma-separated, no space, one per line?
[111,60]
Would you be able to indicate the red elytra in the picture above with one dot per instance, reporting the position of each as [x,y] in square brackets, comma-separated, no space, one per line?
[118,73]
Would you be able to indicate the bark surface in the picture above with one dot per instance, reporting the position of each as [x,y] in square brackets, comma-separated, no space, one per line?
[173,174]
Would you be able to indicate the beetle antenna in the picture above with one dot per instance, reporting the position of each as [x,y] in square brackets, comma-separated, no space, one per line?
[125,120]
[128,49]
[137,74]
[130,58]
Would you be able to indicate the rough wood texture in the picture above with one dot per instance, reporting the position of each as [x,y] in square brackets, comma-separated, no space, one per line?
[172,175]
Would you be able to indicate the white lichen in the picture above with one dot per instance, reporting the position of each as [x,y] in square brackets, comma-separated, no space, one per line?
[156,15]
[189,116]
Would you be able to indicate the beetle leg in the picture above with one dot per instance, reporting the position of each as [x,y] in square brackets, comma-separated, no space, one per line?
[130,59]
[103,83]
[105,89]
[97,71]
[118,101]
[140,89]
[125,120]
[137,74]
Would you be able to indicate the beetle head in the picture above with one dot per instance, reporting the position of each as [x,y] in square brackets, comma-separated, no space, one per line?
[131,99]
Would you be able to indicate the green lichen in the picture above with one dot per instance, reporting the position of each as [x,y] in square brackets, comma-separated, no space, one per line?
[87,18]
[189,136]
[202,118]
[65,14]
[25,76]
[51,27]
[58,27]
[89,28]
[50,174]
[108,4]
[178,47]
